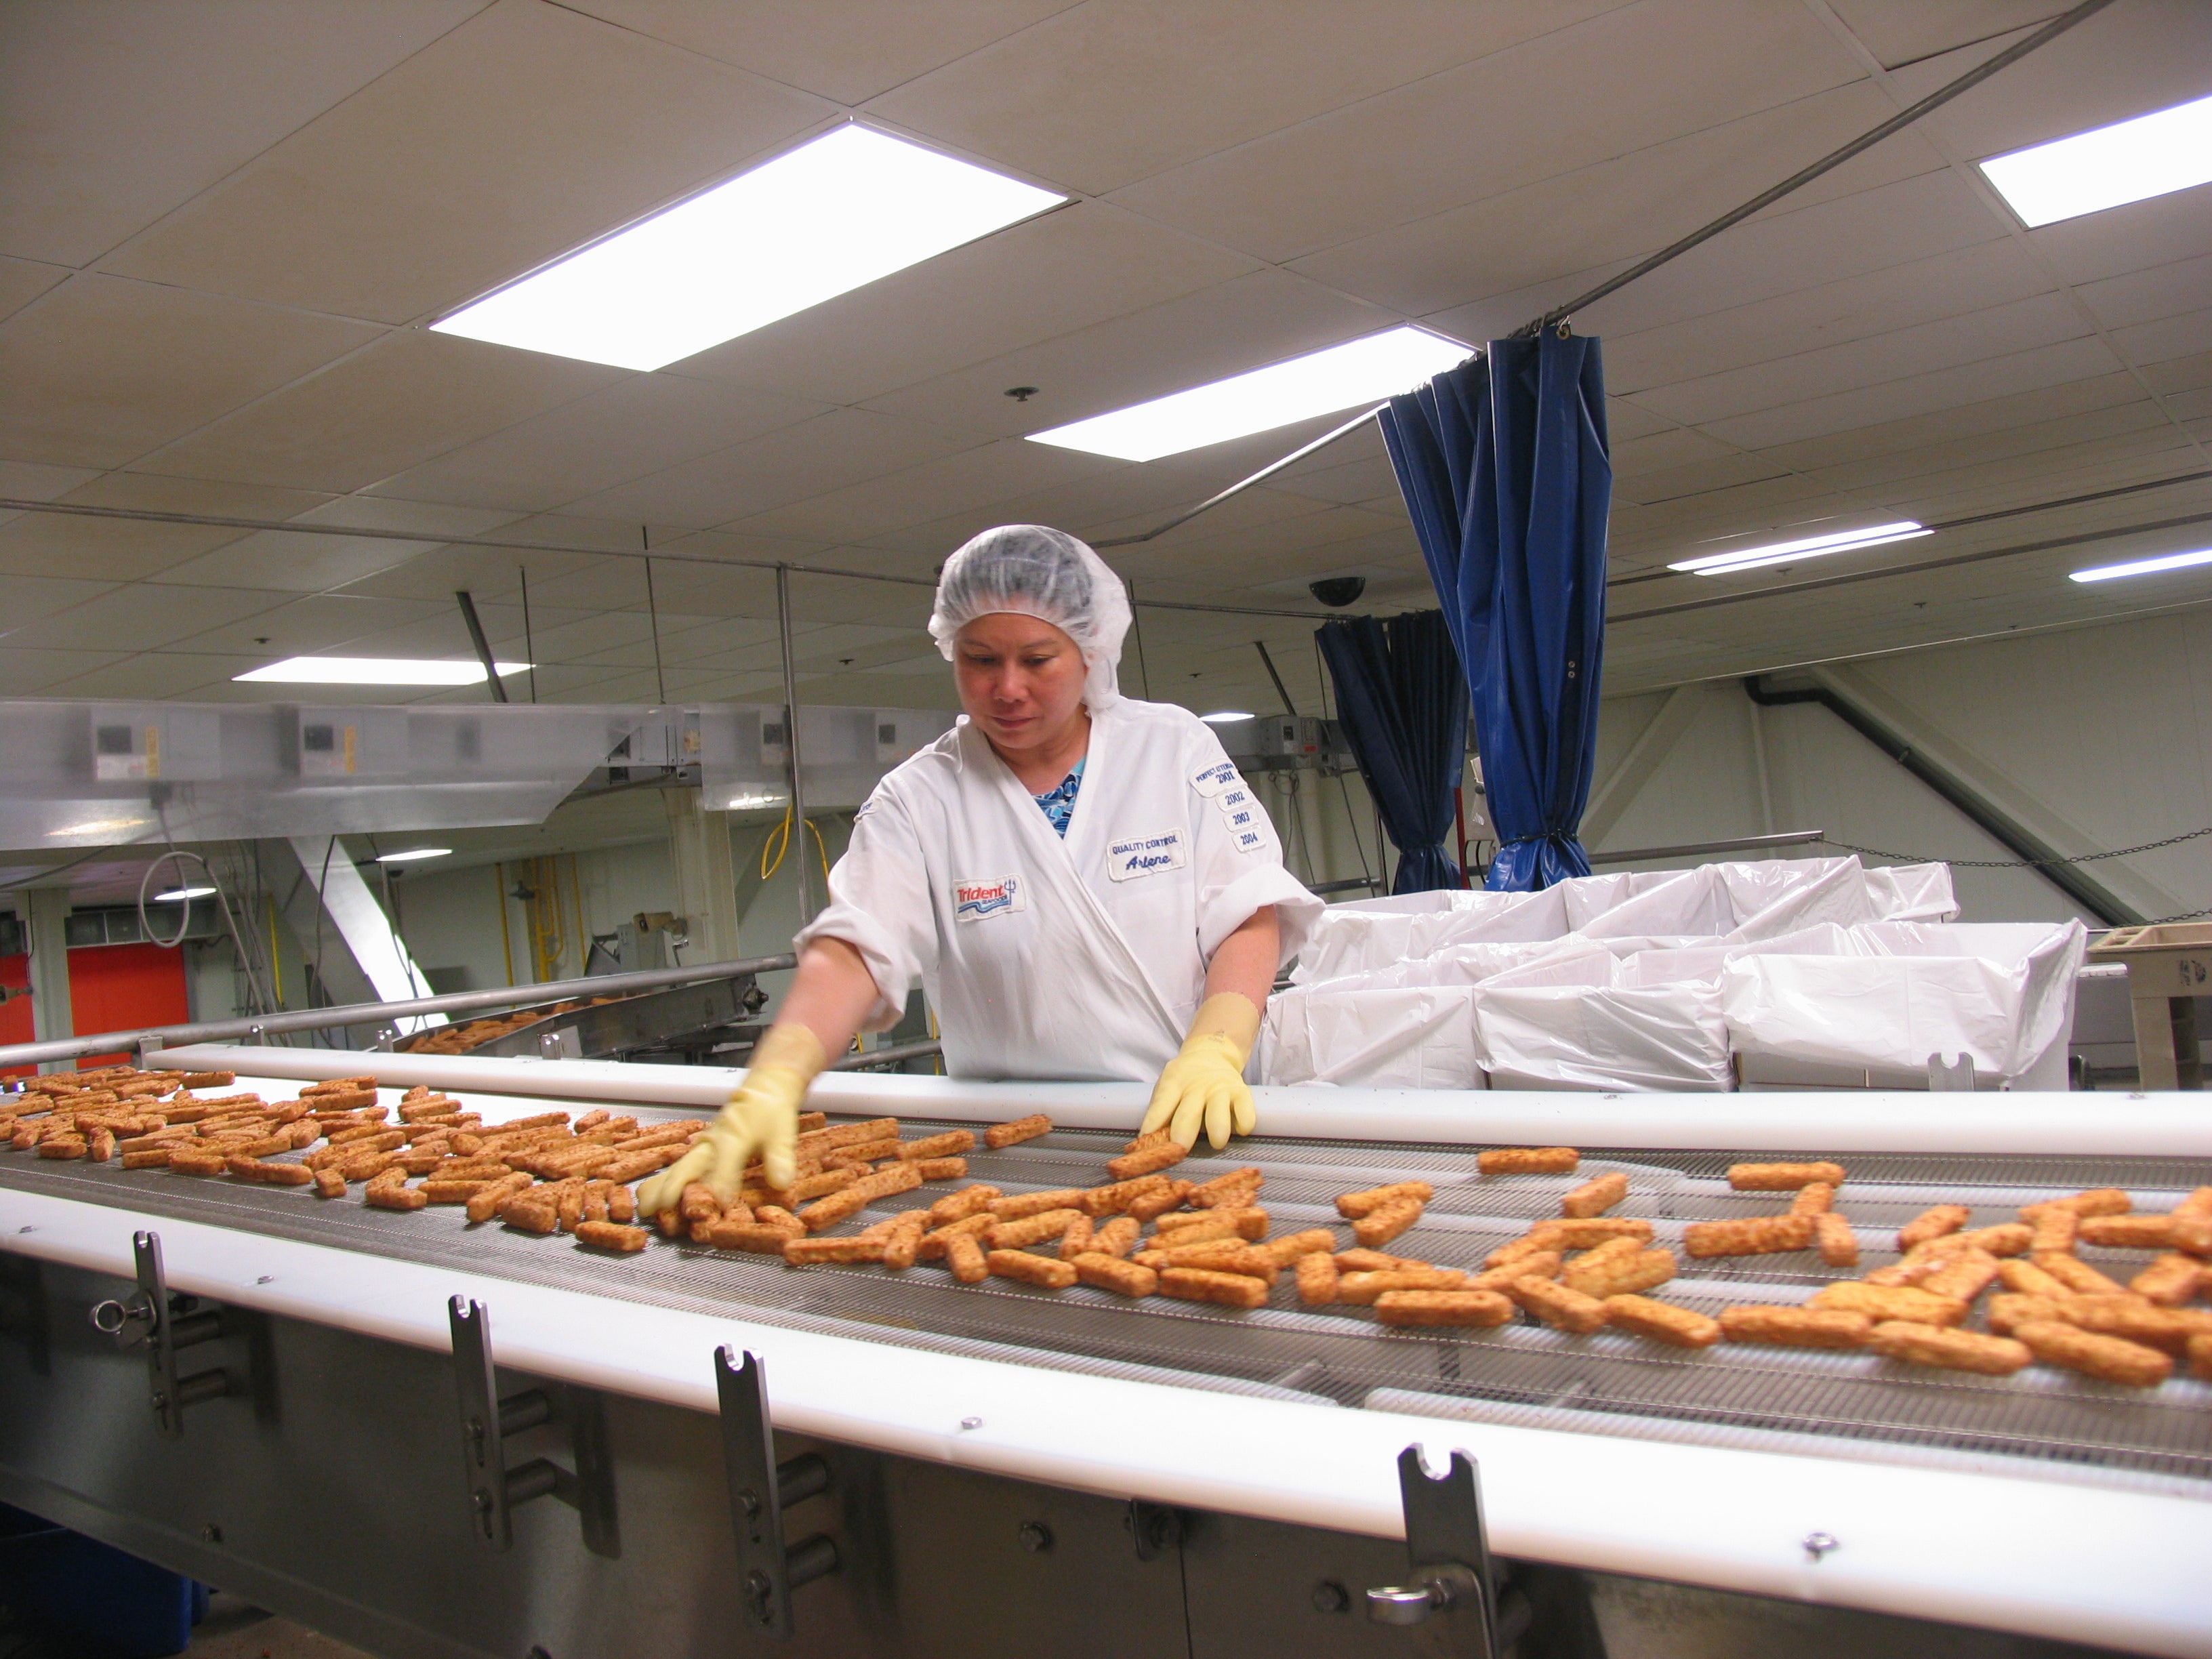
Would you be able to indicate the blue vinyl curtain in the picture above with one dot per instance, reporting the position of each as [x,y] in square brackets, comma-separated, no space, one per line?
[1403,701]
[1503,464]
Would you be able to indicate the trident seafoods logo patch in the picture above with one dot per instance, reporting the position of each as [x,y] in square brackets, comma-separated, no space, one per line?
[1146,855]
[998,895]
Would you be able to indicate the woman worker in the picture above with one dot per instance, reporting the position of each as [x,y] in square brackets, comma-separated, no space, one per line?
[1083,883]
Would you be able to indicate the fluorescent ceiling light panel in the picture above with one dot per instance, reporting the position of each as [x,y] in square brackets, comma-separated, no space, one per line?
[819,220]
[179,895]
[1225,717]
[375,670]
[2127,161]
[1357,372]
[2104,573]
[1812,547]
[413,854]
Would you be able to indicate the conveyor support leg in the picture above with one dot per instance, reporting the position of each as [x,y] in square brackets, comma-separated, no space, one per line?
[760,1489]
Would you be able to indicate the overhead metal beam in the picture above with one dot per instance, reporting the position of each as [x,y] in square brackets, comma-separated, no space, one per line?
[1697,849]
[484,646]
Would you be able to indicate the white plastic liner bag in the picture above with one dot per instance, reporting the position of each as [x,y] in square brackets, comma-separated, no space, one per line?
[2000,995]
[1669,1038]
[1418,1038]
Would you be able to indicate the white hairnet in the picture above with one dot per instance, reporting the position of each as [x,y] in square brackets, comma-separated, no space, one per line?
[1047,574]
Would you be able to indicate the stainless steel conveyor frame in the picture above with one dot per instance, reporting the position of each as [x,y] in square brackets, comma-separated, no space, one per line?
[1972,1540]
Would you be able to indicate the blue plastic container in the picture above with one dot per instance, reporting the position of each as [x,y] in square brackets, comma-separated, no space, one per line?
[90,1601]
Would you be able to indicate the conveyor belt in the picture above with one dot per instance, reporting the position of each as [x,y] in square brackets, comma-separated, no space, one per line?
[2040,1421]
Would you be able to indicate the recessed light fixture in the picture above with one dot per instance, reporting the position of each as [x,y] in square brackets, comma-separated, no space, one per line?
[832,215]
[99,827]
[2106,167]
[375,670]
[413,853]
[1225,717]
[179,895]
[2104,573]
[1812,547]
[1318,383]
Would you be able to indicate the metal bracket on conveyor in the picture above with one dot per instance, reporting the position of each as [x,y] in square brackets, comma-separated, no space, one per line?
[760,1489]
[162,1323]
[1158,1528]
[1452,1578]
[488,1422]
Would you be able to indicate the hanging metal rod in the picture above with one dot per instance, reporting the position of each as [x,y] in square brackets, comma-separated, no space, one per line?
[482,646]
[292,526]
[1262,475]
[1897,122]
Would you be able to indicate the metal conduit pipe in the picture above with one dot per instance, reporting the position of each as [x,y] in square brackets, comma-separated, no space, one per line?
[364,1013]
[2008,831]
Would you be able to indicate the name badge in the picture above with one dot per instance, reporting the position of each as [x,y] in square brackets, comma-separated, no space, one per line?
[1211,781]
[977,900]
[1146,855]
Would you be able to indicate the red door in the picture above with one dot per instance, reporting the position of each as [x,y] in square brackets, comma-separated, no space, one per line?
[116,987]
[15,1023]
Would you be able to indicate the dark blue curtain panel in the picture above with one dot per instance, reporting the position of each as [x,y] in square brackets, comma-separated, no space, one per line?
[1403,701]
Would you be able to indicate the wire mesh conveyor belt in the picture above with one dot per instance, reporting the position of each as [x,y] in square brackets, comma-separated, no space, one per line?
[2040,1421]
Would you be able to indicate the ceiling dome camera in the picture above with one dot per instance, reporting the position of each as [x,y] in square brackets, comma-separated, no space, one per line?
[1337,592]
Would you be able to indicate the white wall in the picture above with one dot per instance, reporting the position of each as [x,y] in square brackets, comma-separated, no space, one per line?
[2100,737]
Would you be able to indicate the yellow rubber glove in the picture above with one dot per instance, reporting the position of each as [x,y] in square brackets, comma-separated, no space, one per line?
[1205,1082]
[761,1120]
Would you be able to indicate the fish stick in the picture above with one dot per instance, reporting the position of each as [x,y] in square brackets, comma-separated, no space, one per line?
[1965,1277]
[1151,1159]
[2108,1359]
[1760,1235]
[1544,1264]
[1933,1223]
[2098,1200]
[1000,1136]
[1385,1223]
[1293,1246]
[1528,1160]
[935,1242]
[1596,1196]
[1587,1233]
[1796,1327]
[950,1143]
[1661,1321]
[2078,1276]
[1353,1206]
[1559,1306]
[2200,1357]
[1108,1273]
[1475,1309]
[941,1169]
[958,1207]
[1076,1241]
[1952,1350]
[1317,1279]
[612,1236]
[1881,1302]
[1225,1290]
[1027,1204]
[864,1151]
[1617,1275]
[2170,1328]
[756,1237]
[1813,1197]
[1361,1290]
[271,1174]
[2054,1231]
[395,1198]
[1839,1245]
[808,1252]
[1529,1243]
[1117,1238]
[2169,1281]
[1221,1255]
[2129,1232]
[822,1185]
[1781,1177]
[1373,1261]
[1106,1201]
[965,1257]
[1032,1229]
[828,1211]
[329,1183]
[486,1202]
[1230,1191]
[1158,1203]
[2028,1280]
[1040,1271]
[1249,1224]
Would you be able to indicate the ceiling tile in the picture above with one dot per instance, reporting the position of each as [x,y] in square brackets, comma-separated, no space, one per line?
[412,395]
[1991,417]
[526,132]
[973,479]
[155,674]
[1067,270]
[148,616]
[1500,124]
[641,424]
[25,599]
[2136,237]
[434,576]
[24,671]
[847,50]
[2034,370]
[307,627]
[789,465]
[2147,296]
[2180,373]
[22,281]
[1928,348]
[123,550]
[113,112]
[27,481]
[1899,32]
[2185,335]
[99,370]
[292,562]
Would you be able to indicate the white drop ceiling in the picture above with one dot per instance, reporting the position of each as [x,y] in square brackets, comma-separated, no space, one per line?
[224,226]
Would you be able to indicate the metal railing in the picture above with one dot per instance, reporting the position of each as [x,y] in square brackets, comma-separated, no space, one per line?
[151,1037]
[1740,844]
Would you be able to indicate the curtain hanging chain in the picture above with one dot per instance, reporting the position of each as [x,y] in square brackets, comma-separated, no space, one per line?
[2022,863]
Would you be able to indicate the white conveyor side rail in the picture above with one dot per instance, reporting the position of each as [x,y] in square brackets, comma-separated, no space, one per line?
[2042,1557]
[2176,1125]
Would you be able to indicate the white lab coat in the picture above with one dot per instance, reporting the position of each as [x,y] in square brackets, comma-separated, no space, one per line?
[1045,958]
